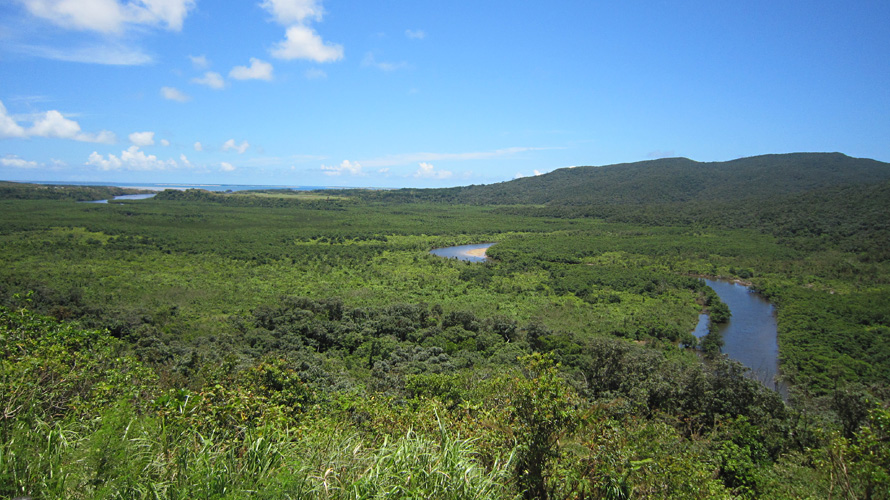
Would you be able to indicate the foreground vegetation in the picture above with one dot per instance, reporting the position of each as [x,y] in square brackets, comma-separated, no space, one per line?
[202,345]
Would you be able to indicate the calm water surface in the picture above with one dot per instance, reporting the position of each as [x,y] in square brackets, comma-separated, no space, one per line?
[460,252]
[126,197]
[750,336]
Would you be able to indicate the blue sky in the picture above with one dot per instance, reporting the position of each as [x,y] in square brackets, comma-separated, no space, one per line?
[426,93]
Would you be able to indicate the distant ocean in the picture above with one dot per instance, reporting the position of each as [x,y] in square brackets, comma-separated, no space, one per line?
[162,186]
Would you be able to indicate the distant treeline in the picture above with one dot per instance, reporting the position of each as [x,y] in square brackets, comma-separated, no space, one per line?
[23,191]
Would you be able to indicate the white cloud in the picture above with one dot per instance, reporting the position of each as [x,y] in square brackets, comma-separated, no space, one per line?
[301,42]
[50,124]
[174,94]
[428,171]
[315,74]
[415,34]
[536,172]
[226,167]
[370,61]
[346,167]
[258,70]
[200,62]
[185,161]
[198,146]
[211,79]
[53,124]
[142,138]
[165,142]
[288,12]
[230,145]
[130,159]
[111,16]
[8,126]
[109,53]
[16,162]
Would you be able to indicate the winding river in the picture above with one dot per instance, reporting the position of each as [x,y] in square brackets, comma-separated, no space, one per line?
[750,336]
[126,197]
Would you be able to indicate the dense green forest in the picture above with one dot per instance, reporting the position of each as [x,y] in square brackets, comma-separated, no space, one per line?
[307,345]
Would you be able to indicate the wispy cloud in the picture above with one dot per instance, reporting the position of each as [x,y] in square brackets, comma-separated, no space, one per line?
[200,62]
[415,34]
[346,167]
[258,70]
[16,162]
[370,61]
[174,94]
[409,158]
[211,79]
[112,54]
[226,167]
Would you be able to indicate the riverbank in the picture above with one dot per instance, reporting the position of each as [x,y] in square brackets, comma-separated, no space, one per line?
[477,252]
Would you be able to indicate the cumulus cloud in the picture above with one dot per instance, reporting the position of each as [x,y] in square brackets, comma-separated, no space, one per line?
[288,12]
[111,16]
[130,159]
[53,124]
[142,138]
[415,34]
[231,146]
[258,70]
[226,167]
[8,126]
[346,167]
[165,142]
[428,171]
[302,42]
[211,79]
[50,124]
[198,146]
[371,61]
[173,94]
[185,161]
[16,162]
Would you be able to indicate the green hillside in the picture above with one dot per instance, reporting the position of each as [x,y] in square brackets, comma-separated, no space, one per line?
[668,180]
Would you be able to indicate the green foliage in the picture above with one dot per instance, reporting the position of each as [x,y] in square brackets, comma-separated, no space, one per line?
[275,345]
[543,409]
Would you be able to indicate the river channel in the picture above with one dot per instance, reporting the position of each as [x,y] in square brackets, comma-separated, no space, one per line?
[126,197]
[464,252]
[750,336]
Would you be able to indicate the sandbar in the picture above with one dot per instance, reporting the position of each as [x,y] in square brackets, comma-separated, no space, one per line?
[476,252]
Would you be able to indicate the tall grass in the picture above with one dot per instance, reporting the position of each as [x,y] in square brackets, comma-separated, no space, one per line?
[123,456]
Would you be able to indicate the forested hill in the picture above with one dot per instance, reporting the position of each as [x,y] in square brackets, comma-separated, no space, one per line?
[667,180]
